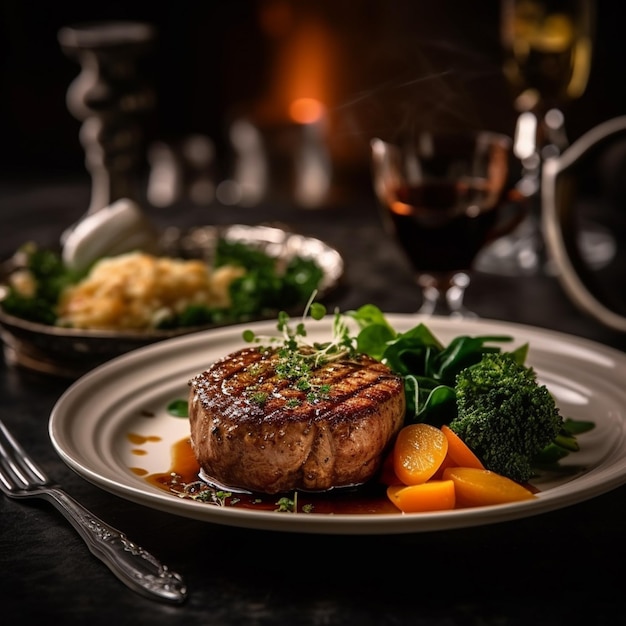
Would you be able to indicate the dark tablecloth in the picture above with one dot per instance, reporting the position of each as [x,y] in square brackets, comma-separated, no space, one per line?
[562,567]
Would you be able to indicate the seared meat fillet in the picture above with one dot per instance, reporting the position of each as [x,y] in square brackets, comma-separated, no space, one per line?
[254,429]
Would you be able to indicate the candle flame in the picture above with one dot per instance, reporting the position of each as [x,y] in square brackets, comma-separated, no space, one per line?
[299,87]
[306,110]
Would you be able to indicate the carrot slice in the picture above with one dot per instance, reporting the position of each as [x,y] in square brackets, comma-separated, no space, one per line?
[418,452]
[434,495]
[476,487]
[459,451]
[447,462]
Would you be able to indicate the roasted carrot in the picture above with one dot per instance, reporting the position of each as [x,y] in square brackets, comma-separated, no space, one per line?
[478,487]
[418,452]
[459,452]
[447,462]
[433,495]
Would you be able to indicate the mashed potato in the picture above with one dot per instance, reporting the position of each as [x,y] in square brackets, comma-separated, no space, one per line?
[138,291]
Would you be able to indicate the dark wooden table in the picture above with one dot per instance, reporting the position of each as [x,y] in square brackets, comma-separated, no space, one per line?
[563,567]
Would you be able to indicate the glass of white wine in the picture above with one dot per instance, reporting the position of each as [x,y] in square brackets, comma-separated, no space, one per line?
[547,47]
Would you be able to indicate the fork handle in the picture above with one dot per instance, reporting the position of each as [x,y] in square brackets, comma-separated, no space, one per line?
[134,566]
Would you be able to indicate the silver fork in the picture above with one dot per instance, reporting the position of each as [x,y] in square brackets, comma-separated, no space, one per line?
[20,477]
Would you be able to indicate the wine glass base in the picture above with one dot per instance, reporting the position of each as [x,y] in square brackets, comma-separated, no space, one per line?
[443,295]
[462,313]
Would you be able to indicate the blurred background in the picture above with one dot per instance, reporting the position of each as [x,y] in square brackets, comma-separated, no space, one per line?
[373,64]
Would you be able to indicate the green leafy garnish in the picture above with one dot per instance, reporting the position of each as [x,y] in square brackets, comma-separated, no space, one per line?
[266,287]
[290,505]
[50,277]
[178,408]
[298,358]
[564,443]
[286,505]
[428,367]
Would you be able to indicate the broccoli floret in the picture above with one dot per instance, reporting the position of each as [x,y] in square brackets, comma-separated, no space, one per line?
[504,415]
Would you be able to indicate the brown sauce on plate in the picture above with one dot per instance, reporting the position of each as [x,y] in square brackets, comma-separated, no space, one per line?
[182,479]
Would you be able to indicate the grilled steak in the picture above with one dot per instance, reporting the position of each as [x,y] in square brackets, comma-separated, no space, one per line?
[255,429]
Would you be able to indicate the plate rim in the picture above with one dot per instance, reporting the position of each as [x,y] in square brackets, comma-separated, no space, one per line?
[336,523]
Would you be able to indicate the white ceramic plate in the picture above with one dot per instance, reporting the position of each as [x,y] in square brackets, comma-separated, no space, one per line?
[91,424]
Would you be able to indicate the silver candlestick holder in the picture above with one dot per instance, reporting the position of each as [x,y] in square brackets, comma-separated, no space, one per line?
[113,97]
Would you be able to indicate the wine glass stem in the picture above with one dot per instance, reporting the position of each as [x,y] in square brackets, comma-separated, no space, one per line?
[442,294]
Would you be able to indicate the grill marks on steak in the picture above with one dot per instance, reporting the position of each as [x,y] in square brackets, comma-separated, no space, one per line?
[253,429]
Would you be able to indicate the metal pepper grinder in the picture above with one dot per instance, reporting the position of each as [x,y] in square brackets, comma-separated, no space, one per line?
[112,97]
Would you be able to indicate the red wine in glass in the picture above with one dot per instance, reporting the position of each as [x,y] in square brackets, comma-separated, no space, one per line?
[443,198]
[436,227]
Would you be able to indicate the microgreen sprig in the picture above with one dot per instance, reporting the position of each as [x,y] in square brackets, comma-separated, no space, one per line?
[298,357]
[298,354]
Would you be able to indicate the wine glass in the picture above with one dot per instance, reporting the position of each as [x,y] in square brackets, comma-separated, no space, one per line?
[547,47]
[443,197]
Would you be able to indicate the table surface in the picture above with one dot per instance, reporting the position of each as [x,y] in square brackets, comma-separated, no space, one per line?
[555,568]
